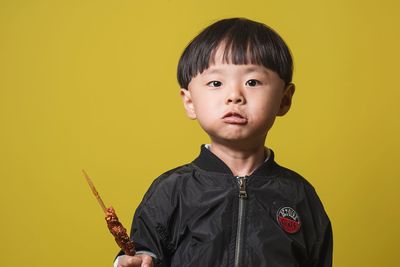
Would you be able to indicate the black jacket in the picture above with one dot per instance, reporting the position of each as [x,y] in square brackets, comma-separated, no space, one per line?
[201,215]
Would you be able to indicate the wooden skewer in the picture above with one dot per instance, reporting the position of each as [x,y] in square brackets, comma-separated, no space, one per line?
[96,194]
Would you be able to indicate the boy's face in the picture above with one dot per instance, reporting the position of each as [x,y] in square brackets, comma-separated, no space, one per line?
[237,103]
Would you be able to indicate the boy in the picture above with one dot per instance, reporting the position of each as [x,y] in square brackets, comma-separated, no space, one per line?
[233,205]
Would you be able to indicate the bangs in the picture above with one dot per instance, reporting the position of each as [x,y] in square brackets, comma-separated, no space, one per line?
[243,42]
[237,53]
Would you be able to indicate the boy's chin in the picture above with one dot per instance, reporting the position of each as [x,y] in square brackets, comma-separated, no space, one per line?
[237,141]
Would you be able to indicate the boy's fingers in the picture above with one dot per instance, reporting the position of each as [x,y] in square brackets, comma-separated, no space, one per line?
[141,260]
[130,261]
[134,261]
[147,261]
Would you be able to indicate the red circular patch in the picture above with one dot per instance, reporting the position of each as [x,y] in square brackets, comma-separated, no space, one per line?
[288,219]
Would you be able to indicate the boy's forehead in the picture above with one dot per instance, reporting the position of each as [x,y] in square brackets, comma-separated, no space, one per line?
[222,58]
[219,53]
[221,67]
[222,54]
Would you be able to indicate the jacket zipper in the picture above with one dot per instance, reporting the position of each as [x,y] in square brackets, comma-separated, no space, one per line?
[242,181]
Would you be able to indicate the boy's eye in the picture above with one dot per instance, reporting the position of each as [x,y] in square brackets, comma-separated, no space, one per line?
[252,83]
[214,84]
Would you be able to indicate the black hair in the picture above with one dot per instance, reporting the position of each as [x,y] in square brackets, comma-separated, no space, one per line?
[244,42]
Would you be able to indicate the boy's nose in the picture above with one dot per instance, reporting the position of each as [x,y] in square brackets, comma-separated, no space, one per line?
[235,97]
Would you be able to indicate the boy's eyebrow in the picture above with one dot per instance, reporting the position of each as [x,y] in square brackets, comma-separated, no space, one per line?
[257,69]
[248,70]
[214,71]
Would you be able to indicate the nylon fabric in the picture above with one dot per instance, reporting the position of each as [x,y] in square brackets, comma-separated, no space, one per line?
[189,215]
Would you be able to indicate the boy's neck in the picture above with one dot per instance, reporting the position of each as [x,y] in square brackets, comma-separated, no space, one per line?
[240,161]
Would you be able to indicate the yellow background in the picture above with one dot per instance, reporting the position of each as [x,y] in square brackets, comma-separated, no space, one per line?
[91,84]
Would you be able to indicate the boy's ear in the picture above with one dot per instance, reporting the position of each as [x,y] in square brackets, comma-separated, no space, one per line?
[286,100]
[188,103]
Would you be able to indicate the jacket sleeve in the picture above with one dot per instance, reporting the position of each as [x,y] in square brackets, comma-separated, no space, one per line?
[150,235]
[146,238]
[324,257]
[150,231]
[322,251]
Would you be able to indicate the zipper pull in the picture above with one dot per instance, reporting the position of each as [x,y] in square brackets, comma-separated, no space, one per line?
[242,180]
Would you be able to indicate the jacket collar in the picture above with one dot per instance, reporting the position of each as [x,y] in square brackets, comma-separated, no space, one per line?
[208,161]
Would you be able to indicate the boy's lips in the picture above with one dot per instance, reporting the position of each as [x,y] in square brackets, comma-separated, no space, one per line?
[234,118]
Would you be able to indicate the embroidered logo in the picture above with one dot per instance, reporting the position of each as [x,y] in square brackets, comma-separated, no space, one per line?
[288,219]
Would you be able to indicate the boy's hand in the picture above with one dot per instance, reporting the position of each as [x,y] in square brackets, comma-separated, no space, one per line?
[141,260]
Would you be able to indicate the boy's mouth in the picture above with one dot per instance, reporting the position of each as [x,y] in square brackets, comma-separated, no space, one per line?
[234,118]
